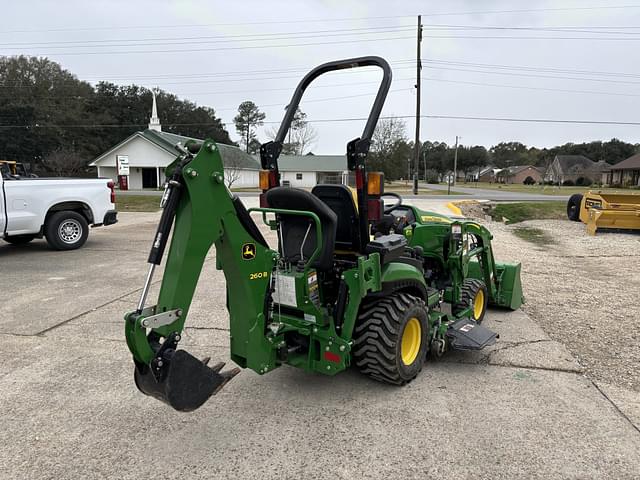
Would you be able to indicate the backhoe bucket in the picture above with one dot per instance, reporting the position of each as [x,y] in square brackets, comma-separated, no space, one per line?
[182,381]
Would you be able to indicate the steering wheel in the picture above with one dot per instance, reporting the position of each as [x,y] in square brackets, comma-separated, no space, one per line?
[396,204]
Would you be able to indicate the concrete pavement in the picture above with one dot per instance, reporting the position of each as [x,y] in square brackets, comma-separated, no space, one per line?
[521,409]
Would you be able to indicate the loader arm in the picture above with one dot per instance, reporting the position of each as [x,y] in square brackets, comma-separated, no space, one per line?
[477,261]
[205,215]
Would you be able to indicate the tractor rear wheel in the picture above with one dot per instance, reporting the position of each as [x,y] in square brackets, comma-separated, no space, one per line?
[573,207]
[474,294]
[391,338]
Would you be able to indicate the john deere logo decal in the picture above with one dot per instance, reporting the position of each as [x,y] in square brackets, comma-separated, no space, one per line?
[249,251]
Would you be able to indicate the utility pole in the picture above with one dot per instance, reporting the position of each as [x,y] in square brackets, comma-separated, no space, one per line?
[424,158]
[455,163]
[417,142]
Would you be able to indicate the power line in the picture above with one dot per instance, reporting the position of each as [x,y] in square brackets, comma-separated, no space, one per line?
[513,37]
[353,119]
[246,47]
[281,88]
[317,20]
[530,68]
[300,70]
[206,25]
[589,92]
[605,80]
[200,40]
[212,37]
[568,29]
[532,10]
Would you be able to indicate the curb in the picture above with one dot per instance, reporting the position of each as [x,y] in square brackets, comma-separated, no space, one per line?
[454,208]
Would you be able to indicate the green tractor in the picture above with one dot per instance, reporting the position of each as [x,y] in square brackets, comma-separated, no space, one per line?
[350,283]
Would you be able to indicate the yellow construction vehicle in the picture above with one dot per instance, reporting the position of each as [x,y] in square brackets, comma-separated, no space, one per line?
[605,210]
[13,168]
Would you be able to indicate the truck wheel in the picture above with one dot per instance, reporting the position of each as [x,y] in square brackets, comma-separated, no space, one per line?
[391,338]
[19,239]
[66,230]
[474,293]
[573,207]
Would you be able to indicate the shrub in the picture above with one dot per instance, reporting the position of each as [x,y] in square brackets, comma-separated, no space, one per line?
[568,183]
[529,181]
[583,182]
[432,176]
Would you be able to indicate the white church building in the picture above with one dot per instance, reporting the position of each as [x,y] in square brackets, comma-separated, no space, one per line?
[150,151]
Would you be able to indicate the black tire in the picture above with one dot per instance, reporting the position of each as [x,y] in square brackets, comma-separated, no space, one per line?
[573,207]
[471,290]
[19,239]
[66,230]
[378,338]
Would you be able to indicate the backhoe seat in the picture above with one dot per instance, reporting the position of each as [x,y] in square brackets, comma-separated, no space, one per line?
[339,199]
[294,227]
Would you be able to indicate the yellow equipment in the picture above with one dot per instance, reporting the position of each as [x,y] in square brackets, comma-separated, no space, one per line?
[605,210]
[11,167]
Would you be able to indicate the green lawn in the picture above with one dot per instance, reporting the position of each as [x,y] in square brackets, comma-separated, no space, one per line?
[542,189]
[521,211]
[137,203]
[406,188]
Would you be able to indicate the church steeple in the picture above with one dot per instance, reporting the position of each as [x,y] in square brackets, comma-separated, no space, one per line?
[154,121]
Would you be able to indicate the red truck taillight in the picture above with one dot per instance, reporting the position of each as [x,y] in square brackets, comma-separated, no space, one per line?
[112,187]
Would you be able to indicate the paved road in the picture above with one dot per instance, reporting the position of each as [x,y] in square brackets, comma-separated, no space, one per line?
[499,195]
[522,409]
[469,194]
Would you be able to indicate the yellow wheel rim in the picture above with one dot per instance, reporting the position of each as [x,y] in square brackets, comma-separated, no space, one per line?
[478,305]
[411,339]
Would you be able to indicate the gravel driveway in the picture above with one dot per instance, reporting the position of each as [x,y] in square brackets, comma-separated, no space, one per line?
[583,291]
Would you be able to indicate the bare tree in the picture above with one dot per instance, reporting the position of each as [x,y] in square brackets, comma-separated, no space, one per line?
[231,171]
[390,150]
[64,162]
[387,134]
[301,137]
[304,138]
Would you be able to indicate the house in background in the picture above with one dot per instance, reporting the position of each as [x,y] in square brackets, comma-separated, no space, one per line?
[150,151]
[310,170]
[625,173]
[520,174]
[482,174]
[577,169]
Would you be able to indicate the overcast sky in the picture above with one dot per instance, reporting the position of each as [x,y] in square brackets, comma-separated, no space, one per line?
[219,53]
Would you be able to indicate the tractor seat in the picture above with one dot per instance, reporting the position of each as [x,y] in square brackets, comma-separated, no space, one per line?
[297,232]
[340,200]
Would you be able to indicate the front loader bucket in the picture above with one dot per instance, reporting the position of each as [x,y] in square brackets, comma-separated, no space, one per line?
[509,293]
[183,381]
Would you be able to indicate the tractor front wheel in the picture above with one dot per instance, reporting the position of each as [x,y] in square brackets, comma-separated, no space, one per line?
[391,338]
[474,294]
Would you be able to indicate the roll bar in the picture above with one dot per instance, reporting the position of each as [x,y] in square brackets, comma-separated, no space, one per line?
[270,151]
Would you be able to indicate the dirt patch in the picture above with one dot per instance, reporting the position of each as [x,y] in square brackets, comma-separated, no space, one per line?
[533,235]
[582,290]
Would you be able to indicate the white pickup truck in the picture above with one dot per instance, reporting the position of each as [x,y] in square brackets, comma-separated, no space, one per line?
[59,209]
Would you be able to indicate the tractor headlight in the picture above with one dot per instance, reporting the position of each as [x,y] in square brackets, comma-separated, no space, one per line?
[456,230]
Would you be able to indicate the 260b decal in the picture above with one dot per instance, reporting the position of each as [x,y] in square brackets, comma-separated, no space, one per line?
[257,275]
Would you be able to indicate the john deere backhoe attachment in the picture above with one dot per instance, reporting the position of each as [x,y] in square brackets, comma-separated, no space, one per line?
[351,282]
[170,375]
